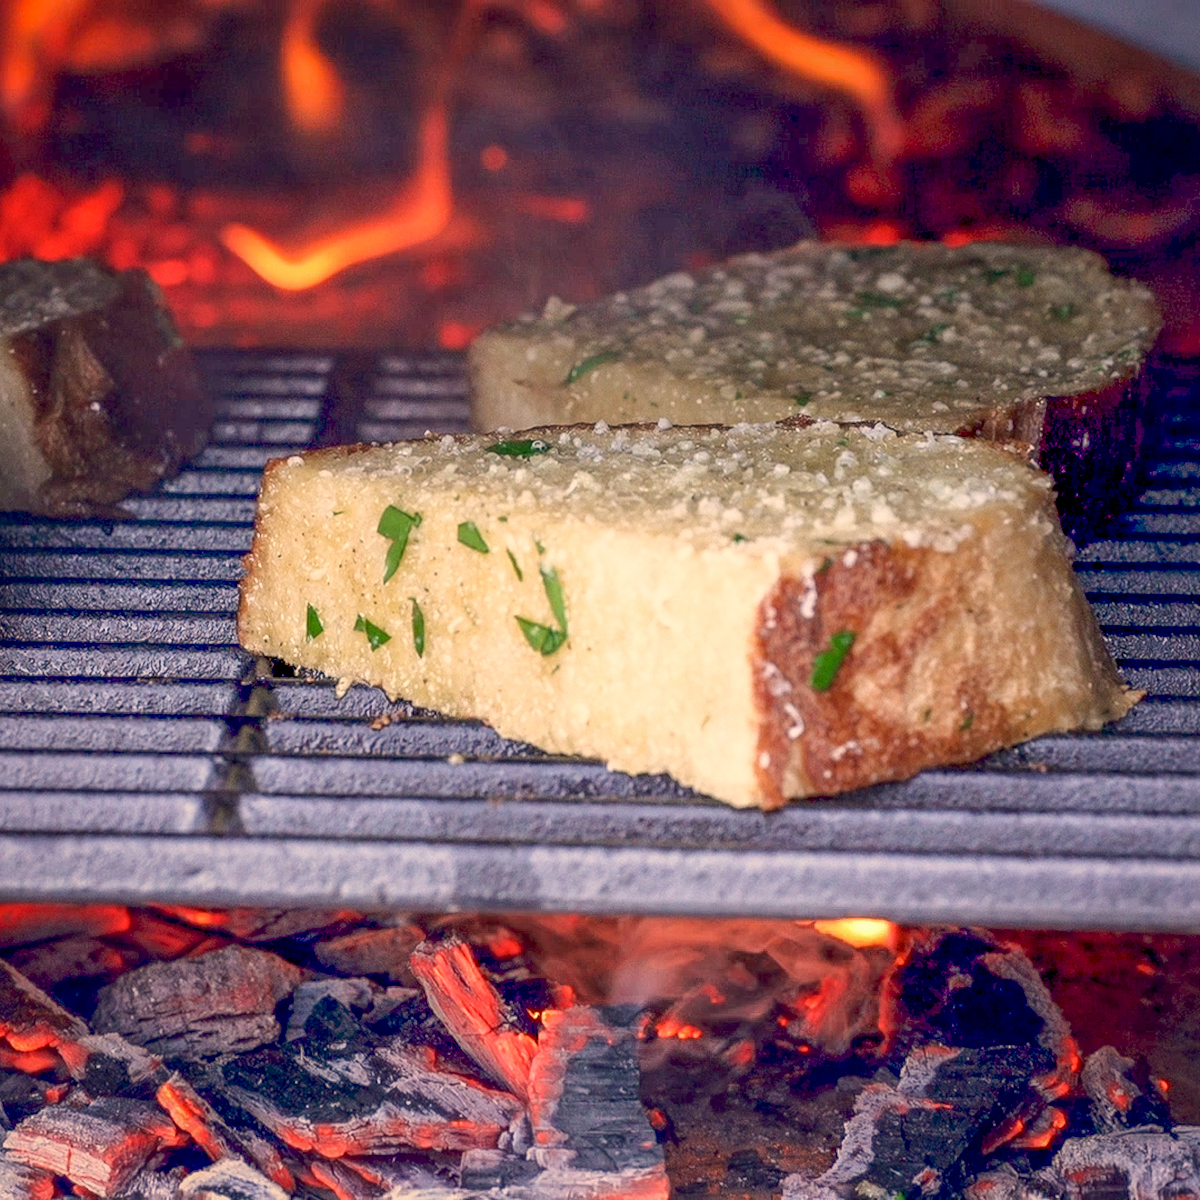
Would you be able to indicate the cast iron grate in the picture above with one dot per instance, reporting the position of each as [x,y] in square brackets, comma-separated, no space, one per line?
[144,755]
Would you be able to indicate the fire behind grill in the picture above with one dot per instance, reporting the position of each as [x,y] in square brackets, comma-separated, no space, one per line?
[145,756]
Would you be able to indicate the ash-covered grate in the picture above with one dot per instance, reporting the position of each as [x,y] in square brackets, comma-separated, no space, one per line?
[143,755]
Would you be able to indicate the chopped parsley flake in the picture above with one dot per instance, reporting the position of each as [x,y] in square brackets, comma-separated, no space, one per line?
[512,558]
[934,333]
[740,537]
[396,525]
[313,626]
[827,664]
[375,636]
[967,722]
[418,628]
[879,300]
[469,535]
[1063,312]
[519,448]
[580,369]
[801,398]
[1026,276]
[543,638]
[995,274]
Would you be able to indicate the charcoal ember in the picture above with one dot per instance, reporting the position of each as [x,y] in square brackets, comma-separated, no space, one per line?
[99,396]
[473,1011]
[23,924]
[350,994]
[1146,1163]
[480,1170]
[367,1103]
[100,1147]
[1006,1183]
[219,1126]
[31,1023]
[230,1180]
[107,1064]
[274,924]
[924,1135]
[1115,1098]
[21,1095]
[387,1002]
[382,952]
[346,1184]
[19,1181]
[202,1007]
[52,963]
[963,988]
[588,1123]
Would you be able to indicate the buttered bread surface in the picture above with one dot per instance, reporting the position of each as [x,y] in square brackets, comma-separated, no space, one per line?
[920,336]
[763,612]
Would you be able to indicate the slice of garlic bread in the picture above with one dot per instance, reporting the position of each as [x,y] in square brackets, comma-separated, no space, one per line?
[1041,345]
[762,611]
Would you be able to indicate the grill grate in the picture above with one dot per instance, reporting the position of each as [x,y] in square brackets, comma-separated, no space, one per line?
[143,755]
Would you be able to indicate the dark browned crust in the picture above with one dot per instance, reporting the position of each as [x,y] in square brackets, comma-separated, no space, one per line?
[1090,443]
[843,746]
[118,402]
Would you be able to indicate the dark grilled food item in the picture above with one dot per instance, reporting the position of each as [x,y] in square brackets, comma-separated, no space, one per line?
[99,396]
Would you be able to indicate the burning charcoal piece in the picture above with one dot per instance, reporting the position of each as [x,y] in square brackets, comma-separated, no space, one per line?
[230,1180]
[98,394]
[201,1007]
[375,1103]
[23,924]
[484,1169]
[585,1107]
[31,1023]
[21,1182]
[348,993]
[1117,1102]
[99,1148]
[52,963]
[372,952]
[1147,1164]
[474,1012]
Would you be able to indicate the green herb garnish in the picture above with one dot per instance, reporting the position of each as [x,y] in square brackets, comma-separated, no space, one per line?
[580,369]
[932,334]
[544,639]
[519,448]
[967,722]
[740,537]
[313,626]
[396,525]
[541,637]
[1026,277]
[879,300]
[827,664]
[418,628]
[801,398]
[469,535]
[512,558]
[1063,312]
[376,636]
[994,274]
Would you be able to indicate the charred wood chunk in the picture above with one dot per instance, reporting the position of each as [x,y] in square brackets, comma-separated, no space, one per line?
[484,1169]
[585,1107]
[230,1180]
[31,1022]
[200,1007]
[51,963]
[99,396]
[19,1181]
[375,1103]
[331,1030]
[25,924]
[1117,1098]
[1144,1163]
[474,1012]
[382,952]
[100,1147]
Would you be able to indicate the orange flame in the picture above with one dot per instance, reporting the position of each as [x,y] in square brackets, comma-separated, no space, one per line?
[860,931]
[421,212]
[855,72]
[312,88]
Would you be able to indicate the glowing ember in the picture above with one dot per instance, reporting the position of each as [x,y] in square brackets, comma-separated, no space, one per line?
[312,88]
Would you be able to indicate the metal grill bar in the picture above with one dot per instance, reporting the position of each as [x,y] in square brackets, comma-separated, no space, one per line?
[144,755]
